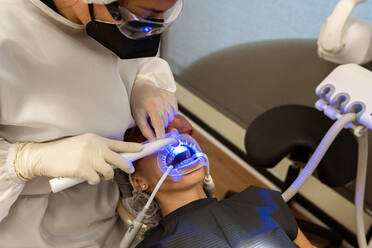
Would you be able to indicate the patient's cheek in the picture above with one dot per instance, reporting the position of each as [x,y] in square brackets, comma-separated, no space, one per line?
[150,170]
[187,181]
[149,165]
[195,177]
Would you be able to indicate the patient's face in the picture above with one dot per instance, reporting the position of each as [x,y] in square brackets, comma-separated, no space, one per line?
[147,168]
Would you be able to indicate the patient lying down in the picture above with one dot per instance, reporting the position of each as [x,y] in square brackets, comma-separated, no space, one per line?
[255,217]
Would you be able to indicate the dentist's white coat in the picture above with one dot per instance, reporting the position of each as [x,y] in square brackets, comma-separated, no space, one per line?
[56,81]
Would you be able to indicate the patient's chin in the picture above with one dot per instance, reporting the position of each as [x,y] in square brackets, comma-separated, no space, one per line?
[185,182]
[194,177]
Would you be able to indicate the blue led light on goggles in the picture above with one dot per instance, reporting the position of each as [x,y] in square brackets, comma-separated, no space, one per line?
[136,27]
[185,157]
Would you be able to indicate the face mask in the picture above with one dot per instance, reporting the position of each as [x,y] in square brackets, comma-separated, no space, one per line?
[110,37]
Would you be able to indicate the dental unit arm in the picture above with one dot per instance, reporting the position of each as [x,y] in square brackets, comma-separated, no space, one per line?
[345,97]
[347,40]
[347,90]
[343,39]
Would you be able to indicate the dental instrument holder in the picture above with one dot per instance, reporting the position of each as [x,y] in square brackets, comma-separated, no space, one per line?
[344,97]
[347,89]
[59,184]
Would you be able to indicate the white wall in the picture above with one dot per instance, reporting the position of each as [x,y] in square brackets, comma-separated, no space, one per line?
[243,21]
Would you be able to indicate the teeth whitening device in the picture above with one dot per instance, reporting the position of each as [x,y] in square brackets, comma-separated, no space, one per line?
[178,155]
[62,183]
[180,151]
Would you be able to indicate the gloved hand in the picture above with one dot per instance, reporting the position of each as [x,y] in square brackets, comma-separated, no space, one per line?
[149,101]
[82,156]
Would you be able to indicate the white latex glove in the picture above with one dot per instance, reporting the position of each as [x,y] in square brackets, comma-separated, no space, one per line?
[84,156]
[150,102]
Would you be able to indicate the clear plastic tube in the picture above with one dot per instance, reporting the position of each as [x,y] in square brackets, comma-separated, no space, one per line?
[360,188]
[208,183]
[132,231]
[318,155]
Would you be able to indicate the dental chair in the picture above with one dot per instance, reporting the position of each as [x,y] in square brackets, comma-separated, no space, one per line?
[294,131]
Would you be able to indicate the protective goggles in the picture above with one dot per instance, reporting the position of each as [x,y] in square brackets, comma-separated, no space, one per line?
[137,27]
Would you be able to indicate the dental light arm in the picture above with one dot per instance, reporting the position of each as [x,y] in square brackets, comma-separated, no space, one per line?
[343,39]
[334,29]
[59,184]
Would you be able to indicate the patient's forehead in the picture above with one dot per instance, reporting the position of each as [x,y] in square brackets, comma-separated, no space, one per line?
[180,123]
[148,162]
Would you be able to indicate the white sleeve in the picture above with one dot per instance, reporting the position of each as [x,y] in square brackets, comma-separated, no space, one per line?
[10,185]
[157,71]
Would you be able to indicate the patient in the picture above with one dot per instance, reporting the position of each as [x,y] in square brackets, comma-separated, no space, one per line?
[255,217]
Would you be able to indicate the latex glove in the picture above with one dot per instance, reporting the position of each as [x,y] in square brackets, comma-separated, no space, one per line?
[156,104]
[84,156]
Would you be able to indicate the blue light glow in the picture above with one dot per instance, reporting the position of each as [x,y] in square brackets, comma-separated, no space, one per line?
[146,29]
[184,157]
[179,149]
